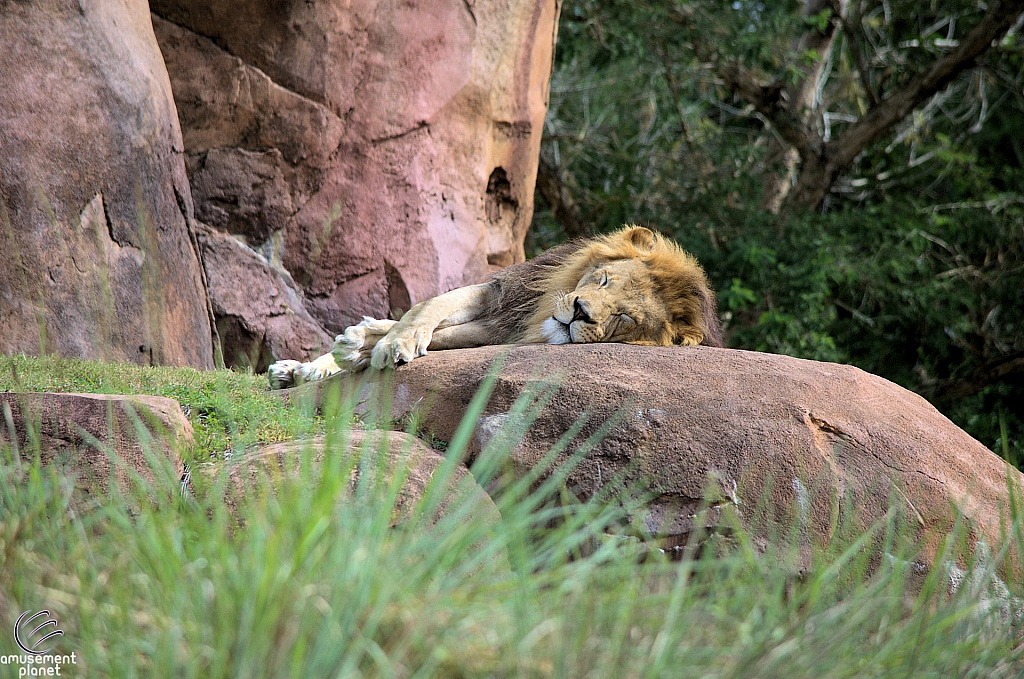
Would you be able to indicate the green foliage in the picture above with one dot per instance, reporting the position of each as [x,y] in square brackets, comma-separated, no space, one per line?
[914,271]
[311,576]
[228,410]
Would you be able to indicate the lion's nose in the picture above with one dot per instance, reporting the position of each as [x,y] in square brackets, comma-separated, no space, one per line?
[580,312]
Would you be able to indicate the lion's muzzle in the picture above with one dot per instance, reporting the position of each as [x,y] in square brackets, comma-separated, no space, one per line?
[580,312]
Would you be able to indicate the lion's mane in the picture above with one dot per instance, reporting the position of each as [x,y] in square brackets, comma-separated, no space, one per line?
[522,295]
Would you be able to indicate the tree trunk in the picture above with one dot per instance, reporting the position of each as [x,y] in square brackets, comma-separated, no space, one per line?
[559,199]
[800,100]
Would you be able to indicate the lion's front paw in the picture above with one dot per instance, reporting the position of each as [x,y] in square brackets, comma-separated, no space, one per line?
[690,338]
[401,347]
[282,374]
[353,349]
[316,369]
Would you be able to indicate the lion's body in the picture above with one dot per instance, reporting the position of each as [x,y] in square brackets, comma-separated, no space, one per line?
[631,286]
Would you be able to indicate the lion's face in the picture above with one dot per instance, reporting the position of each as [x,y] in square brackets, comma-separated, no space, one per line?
[613,302]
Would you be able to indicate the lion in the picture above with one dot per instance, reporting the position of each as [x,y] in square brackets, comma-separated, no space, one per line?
[632,286]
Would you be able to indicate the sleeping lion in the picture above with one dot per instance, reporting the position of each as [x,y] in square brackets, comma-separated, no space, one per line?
[632,286]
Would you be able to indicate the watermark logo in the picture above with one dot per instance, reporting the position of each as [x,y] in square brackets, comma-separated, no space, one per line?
[32,633]
[30,639]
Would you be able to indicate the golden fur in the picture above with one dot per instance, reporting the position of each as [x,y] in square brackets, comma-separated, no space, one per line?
[631,286]
[667,296]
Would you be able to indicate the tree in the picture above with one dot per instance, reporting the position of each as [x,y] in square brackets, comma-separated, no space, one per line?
[788,102]
[913,268]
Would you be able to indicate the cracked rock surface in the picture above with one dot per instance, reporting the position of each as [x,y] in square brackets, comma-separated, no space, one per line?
[387,150]
[260,318]
[97,260]
[815,444]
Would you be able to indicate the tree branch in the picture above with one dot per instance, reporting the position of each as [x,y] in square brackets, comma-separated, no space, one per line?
[836,156]
[768,101]
[993,372]
[850,25]
[788,108]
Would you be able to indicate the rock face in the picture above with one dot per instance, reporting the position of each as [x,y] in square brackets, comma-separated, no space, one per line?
[97,259]
[60,427]
[818,439]
[401,452]
[384,152]
[260,318]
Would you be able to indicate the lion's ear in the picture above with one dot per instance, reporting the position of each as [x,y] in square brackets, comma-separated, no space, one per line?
[641,238]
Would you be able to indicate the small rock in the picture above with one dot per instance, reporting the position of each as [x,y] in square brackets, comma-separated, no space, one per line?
[63,428]
[284,459]
[260,319]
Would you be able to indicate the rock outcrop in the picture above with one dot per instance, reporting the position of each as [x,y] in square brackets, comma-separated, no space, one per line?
[260,318]
[383,152]
[97,259]
[400,453]
[63,429]
[809,442]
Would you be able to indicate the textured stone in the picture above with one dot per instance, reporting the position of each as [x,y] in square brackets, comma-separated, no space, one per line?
[256,151]
[63,429]
[97,260]
[260,318]
[393,146]
[402,452]
[819,439]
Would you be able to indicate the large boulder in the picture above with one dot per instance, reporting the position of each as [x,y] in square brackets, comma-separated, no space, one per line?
[811,441]
[384,152]
[91,436]
[97,259]
[260,317]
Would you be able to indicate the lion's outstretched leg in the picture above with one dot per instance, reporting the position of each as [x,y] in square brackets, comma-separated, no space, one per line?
[351,352]
[412,335]
[383,343]
[284,374]
[463,336]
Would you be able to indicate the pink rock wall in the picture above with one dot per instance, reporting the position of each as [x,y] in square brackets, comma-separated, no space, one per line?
[96,255]
[383,152]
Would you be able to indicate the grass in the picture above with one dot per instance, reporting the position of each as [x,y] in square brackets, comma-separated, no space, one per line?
[312,579]
[229,410]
